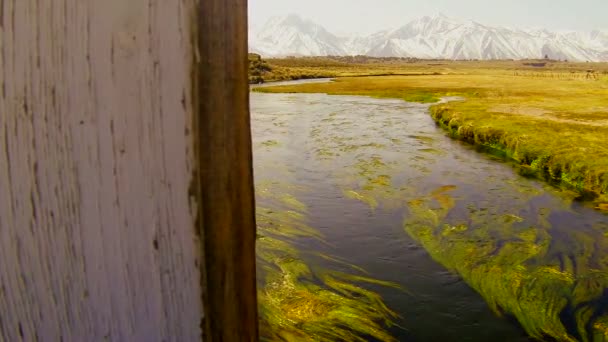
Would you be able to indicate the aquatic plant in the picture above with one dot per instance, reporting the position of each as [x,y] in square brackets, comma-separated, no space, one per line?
[270,143]
[298,303]
[555,288]
[358,163]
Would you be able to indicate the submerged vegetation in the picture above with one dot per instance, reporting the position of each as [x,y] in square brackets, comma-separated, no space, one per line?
[554,291]
[298,303]
[553,122]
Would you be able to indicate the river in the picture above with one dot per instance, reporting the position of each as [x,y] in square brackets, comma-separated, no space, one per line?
[459,231]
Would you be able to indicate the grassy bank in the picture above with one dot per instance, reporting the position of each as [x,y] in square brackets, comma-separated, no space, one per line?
[553,121]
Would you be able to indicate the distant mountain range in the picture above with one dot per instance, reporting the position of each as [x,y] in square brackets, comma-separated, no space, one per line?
[428,37]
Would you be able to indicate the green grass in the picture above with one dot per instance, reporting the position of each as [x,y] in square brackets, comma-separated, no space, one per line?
[553,123]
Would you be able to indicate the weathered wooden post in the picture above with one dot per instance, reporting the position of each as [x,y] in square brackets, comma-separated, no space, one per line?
[126,198]
[228,211]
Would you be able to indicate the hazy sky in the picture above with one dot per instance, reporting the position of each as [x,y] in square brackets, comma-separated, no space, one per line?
[365,16]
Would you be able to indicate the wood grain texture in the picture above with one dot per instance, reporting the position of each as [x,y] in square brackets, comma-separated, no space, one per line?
[97,230]
[228,210]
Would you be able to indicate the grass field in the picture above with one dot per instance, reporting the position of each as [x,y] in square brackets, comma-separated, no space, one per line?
[280,69]
[550,117]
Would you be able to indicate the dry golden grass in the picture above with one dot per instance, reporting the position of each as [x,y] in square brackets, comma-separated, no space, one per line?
[293,68]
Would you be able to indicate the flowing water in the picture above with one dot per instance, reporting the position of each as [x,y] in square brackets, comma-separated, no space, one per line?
[462,234]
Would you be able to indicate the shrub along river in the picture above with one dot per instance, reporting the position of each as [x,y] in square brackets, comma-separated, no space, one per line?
[375,224]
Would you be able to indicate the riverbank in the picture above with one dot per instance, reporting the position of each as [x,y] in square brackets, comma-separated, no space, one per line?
[554,123]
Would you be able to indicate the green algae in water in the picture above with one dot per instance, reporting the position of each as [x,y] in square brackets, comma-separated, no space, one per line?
[297,304]
[363,165]
[602,227]
[378,181]
[431,150]
[422,138]
[363,197]
[270,143]
[369,181]
[600,329]
[555,289]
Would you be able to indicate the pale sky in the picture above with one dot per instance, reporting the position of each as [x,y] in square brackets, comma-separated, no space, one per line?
[366,16]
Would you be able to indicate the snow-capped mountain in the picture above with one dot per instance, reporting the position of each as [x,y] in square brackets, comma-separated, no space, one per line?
[294,36]
[429,37]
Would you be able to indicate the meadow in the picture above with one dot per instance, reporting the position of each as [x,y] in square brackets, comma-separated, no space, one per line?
[549,117]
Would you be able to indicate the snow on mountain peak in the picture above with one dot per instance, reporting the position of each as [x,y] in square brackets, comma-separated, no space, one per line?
[436,36]
[293,35]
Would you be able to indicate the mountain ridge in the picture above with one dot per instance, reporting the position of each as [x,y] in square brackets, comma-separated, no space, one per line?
[432,37]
